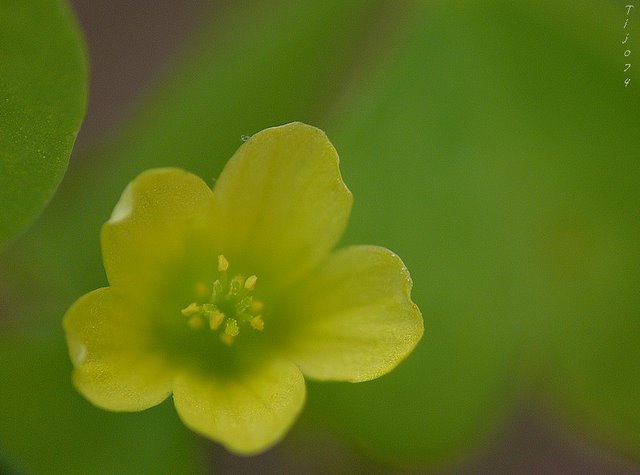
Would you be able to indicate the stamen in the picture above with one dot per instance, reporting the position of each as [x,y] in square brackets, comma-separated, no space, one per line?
[218,291]
[257,322]
[244,304]
[250,283]
[231,303]
[191,309]
[223,263]
[215,319]
[236,284]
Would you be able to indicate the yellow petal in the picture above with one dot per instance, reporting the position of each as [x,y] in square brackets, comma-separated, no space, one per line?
[247,413]
[355,318]
[166,221]
[284,200]
[114,364]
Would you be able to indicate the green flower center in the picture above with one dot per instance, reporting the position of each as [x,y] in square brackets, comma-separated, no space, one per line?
[225,305]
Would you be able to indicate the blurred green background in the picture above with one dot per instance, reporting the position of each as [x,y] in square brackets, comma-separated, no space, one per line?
[491,144]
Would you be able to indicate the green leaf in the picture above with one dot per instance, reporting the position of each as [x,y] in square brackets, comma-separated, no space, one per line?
[49,428]
[513,200]
[43,93]
[419,155]
[582,265]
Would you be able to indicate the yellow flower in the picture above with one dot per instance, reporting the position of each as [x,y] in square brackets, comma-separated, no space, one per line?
[225,298]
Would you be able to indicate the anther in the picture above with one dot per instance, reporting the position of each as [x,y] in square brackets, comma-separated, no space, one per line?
[223,263]
[192,309]
[250,283]
[257,323]
[230,304]
[244,304]
[236,284]
[215,319]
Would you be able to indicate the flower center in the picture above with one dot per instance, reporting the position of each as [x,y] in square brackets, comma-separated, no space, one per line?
[230,305]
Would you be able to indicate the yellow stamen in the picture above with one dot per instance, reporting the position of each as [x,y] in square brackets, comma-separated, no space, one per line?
[257,322]
[192,309]
[223,263]
[234,295]
[215,319]
[236,284]
[250,283]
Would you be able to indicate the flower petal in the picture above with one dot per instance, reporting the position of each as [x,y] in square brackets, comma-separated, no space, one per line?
[165,217]
[247,413]
[114,365]
[355,316]
[284,199]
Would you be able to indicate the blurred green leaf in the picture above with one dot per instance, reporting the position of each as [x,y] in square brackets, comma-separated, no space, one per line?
[498,148]
[43,93]
[419,143]
[49,428]
[582,266]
